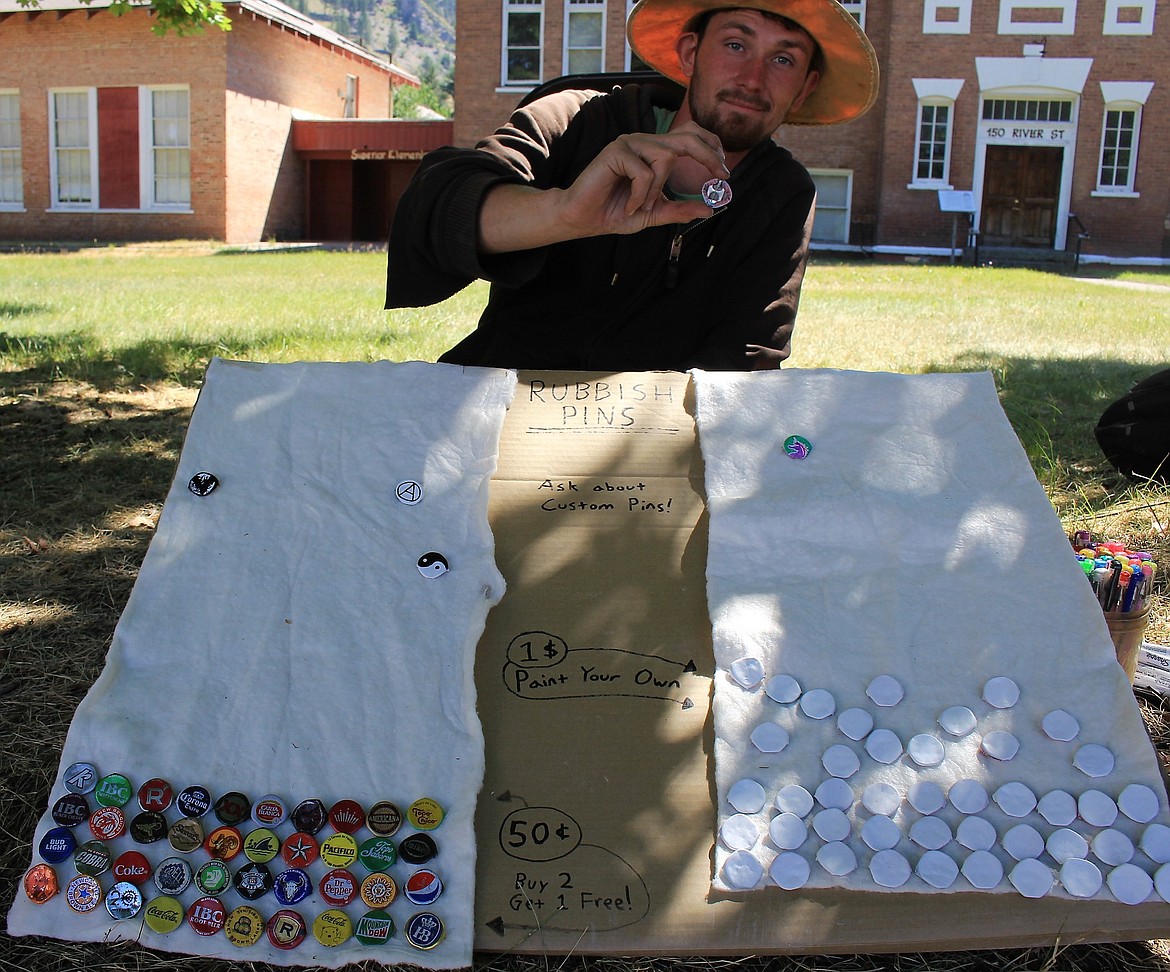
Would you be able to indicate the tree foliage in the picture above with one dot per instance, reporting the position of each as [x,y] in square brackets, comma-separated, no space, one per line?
[408,99]
[181,16]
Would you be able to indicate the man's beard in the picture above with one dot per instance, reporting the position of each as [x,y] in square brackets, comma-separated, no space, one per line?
[737,132]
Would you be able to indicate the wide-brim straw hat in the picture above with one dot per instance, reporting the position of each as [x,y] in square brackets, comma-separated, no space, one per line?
[848,84]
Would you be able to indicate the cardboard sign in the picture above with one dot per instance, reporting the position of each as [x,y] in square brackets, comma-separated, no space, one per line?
[594,673]
[595,826]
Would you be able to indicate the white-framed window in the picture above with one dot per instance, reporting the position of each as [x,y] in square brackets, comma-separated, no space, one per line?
[932,140]
[857,8]
[11,167]
[166,170]
[1040,17]
[584,51]
[946,17]
[1120,132]
[1134,17]
[523,43]
[1118,150]
[834,205]
[72,158]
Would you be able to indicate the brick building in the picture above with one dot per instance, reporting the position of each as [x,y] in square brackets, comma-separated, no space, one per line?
[1047,119]
[276,129]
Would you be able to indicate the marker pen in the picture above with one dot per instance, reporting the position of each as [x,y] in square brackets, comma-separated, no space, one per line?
[1136,579]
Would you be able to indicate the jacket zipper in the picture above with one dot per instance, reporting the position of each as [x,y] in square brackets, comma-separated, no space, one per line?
[676,249]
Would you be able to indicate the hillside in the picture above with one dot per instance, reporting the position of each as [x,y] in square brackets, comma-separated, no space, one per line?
[418,35]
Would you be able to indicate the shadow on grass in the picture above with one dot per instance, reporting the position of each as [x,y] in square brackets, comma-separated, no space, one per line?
[82,476]
[1054,405]
[76,356]
[9,309]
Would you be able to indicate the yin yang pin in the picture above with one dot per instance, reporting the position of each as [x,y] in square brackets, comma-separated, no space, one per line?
[433,564]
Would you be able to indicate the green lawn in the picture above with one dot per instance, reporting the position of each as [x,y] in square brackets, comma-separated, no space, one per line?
[1060,347]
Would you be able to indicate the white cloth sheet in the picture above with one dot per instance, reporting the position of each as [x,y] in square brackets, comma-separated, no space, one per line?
[280,638]
[915,541]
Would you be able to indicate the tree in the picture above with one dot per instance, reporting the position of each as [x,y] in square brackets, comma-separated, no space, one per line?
[181,16]
[408,98]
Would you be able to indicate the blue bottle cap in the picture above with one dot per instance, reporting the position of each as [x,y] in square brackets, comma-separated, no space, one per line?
[292,886]
[57,845]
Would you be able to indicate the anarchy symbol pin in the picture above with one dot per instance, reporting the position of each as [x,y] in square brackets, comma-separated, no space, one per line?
[409,492]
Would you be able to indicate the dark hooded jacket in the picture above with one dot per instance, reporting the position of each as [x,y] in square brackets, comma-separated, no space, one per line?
[666,298]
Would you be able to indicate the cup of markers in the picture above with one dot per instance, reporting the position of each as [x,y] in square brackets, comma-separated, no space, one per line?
[1122,579]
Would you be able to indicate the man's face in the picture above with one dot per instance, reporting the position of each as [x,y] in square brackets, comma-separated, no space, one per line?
[746,73]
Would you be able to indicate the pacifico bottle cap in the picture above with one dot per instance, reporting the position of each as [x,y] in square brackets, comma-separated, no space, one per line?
[339,850]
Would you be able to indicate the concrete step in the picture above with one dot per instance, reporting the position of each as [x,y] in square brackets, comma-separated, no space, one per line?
[1033,258]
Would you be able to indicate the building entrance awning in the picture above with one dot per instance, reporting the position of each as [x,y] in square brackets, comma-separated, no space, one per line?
[369,139]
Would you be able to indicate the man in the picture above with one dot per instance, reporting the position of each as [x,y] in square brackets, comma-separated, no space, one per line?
[582,211]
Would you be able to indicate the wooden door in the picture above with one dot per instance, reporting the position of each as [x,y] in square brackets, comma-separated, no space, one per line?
[1021,185]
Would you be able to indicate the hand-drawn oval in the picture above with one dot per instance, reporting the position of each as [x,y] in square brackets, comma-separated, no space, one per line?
[539,834]
[537,649]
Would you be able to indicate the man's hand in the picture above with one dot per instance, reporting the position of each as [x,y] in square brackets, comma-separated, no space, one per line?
[621,191]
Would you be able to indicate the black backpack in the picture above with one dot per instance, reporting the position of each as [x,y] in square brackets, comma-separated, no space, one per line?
[1134,432]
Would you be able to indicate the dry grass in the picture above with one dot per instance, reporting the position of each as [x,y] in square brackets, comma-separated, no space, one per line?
[84,467]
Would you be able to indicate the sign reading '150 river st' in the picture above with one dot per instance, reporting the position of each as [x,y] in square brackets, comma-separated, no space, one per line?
[1028,133]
